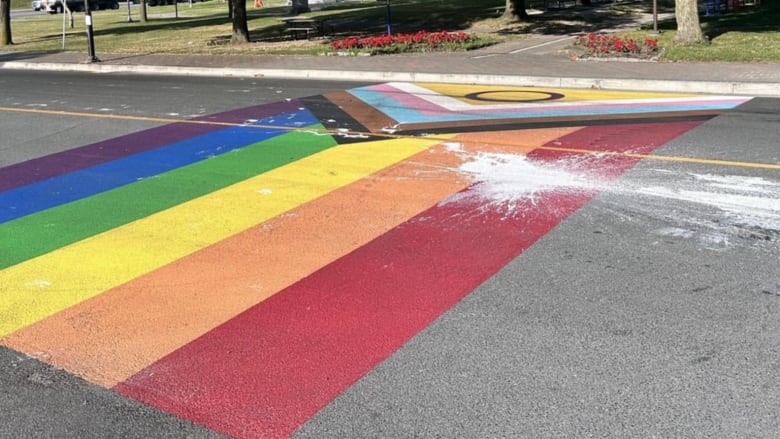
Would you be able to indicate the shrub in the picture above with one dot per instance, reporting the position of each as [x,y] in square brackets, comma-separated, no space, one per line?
[602,45]
[421,41]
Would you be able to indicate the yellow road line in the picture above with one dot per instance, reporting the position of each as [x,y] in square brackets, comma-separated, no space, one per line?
[134,118]
[668,158]
[681,159]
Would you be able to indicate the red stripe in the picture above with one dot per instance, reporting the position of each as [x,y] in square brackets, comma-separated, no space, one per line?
[267,371]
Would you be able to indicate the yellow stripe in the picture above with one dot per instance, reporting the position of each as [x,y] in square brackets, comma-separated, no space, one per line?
[40,287]
[667,158]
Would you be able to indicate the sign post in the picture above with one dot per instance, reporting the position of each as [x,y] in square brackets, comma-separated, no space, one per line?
[90,36]
[655,16]
[388,18]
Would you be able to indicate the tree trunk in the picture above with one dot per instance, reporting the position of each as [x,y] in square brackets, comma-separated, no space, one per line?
[5,23]
[299,6]
[66,10]
[514,10]
[142,11]
[686,13]
[240,27]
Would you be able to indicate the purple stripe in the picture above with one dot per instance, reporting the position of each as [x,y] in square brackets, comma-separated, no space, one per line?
[60,163]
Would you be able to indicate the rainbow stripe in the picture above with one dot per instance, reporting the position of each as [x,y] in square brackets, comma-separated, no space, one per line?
[174,264]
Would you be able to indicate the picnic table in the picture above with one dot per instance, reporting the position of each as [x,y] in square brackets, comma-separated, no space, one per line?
[300,25]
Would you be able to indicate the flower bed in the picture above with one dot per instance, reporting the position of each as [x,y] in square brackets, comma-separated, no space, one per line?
[603,45]
[421,41]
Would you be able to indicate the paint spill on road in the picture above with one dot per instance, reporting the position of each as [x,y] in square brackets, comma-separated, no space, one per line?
[719,211]
[505,181]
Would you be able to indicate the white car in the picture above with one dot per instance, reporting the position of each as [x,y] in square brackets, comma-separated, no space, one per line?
[37,5]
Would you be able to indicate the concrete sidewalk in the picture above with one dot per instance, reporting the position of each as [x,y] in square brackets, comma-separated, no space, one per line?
[533,61]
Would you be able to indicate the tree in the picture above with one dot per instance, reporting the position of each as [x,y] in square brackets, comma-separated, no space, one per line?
[686,13]
[142,11]
[66,10]
[240,27]
[5,23]
[515,10]
[299,6]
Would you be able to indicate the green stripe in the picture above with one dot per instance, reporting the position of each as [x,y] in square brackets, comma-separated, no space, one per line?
[48,230]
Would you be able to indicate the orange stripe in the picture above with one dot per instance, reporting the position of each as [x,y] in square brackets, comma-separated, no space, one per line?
[112,336]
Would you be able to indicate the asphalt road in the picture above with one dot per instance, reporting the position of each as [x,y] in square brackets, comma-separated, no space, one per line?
[644,314]
[651,311]
[54,111]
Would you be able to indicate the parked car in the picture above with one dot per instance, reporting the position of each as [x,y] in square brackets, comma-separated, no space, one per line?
[36,5]
[166,2]
[55,6]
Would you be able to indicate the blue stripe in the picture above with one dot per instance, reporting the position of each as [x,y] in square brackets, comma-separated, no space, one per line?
[32,198]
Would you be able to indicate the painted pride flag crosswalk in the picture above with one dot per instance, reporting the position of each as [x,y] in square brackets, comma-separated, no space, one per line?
[243,274]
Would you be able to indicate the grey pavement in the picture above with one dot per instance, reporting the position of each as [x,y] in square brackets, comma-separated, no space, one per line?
[541,60]
[608,327]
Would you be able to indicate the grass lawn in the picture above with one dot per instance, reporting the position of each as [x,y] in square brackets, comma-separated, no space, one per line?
[204,27]
[749,34]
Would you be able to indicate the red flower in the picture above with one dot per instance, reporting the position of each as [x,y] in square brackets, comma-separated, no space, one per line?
[600,44]
[420,38]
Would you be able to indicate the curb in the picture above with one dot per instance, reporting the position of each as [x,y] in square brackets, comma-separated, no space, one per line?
[707,87]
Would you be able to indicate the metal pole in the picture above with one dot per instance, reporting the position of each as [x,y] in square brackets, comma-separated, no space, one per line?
[64,13]
[389,20]
[90,36]
[655,16]
[129,17]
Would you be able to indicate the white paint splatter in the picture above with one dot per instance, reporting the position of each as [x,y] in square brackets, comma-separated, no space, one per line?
[739,183]
[317,133]
[719,211]
[504,179]
[716,210]
[40,355]
[391,129]
[344,132]
[453,146]
[762,211]
[676,232]
[38,283]
[264,191]
[354,136]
